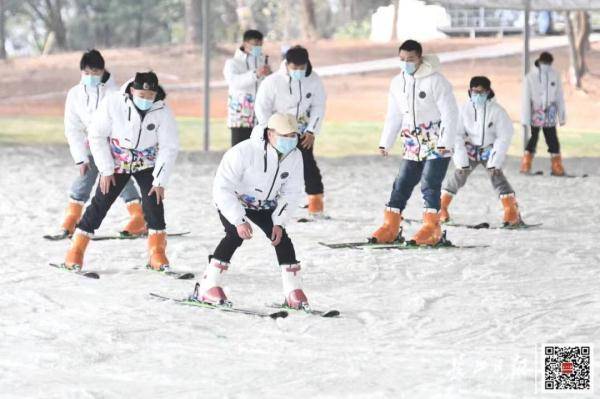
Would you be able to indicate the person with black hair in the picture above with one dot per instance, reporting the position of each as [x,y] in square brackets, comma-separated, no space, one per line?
[296,89]
[423,110]
[259,181]
[82,101]
[132,134]
[244,74]
[543,108]
[487,133]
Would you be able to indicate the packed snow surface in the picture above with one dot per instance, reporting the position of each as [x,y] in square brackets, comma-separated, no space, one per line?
[459,323]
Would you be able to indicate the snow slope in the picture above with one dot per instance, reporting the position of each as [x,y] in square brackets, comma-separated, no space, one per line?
[416,324]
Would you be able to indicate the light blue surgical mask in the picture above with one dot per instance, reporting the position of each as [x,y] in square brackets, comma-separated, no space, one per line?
[408,67]
[256,51]
[91,80]
[286,144]
[479,98]
[142,103]
[297,74]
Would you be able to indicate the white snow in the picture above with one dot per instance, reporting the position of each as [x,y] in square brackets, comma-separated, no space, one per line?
[415,324]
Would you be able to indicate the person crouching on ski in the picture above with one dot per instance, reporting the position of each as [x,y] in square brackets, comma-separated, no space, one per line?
[488,131]
[133,134]
[422,108]
[258,180]
[82,101]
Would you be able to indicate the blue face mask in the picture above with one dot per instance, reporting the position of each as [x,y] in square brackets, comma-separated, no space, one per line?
[286,144]
[408,67]
[91,80]
[142,103]
[297,74]
[256,51]
[479,98]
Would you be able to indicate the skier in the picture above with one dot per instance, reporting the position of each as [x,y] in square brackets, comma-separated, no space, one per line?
[244,73]
[82,101]
[487,132]
[297,90]
[422,108]
[259,180]
[133,134]
[543,108]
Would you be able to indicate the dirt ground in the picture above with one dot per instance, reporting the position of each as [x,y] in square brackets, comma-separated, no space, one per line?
[36,86]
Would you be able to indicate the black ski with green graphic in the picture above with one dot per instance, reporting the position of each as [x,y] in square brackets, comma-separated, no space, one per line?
[223,308]
[79,272]
[310,311]
[126,236]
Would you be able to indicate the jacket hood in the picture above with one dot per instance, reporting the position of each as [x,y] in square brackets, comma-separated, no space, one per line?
[160,94]
[429,66]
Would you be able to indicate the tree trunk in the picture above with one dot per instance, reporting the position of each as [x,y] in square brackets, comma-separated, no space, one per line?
[193,21]
[582,40]
[396,4]
[574,73]
[2,29]
[309,24]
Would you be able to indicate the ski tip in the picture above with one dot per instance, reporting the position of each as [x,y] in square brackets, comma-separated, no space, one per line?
[331,313]
[93,275]
[279,315]
[186,276]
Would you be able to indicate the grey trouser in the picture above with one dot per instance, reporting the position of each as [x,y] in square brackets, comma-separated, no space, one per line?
[458,179]
[82,186]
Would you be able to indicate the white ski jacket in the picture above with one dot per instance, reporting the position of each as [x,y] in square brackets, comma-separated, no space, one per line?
[486,135]
[251,176]
[240,75]
[422,108]
[543,102]
[82,102]
[305,99]
[122,141]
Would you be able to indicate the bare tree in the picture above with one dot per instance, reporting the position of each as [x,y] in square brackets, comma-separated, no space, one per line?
[193,21]
[50,13]
[578,32]
[3,29]
[309,23]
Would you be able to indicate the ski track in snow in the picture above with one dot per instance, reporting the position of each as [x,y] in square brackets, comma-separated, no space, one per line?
[415,324]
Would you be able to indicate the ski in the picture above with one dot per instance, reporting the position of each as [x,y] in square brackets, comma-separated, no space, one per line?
[536,173]
[223,308]
[569,176]
[126,236]
[400,243]
[310,311]
[57,237]
[312,219]
[61,266]
[486,225]
[170,273]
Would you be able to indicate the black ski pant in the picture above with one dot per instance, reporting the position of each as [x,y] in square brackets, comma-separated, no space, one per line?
[101,203]
[286,254]
[239,134]
[551,139]
[313,182]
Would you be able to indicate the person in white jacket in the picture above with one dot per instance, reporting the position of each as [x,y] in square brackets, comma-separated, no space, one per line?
[296,89]
[82,101]
[423,110]
[244,73]
[543,108]
[261,181]
[484,140]
[133,134]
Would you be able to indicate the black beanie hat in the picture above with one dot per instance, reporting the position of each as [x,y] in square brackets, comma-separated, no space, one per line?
[544,58]
[91,59]
[297,55]
[145,81]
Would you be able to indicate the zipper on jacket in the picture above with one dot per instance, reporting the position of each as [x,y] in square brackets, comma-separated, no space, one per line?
[300,100]
[160,170]
[97,96]
[87,96]
[483,124]
[415,116]
[282,209]
[273,182]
